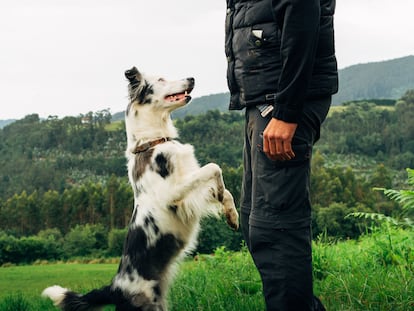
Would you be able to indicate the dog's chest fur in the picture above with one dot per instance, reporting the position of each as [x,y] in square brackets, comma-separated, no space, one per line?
[152,172]
[155,176]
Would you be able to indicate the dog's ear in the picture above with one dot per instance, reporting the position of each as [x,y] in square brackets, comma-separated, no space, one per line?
[133,75]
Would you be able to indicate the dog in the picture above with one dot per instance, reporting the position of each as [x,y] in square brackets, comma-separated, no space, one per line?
[172,193]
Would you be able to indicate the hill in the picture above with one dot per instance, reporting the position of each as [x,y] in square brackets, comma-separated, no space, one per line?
[386,80]
[197,106]
[378,80]
[3,123]
[202,104]
[381,80]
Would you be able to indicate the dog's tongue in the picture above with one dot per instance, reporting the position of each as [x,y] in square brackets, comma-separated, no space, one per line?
[175,97]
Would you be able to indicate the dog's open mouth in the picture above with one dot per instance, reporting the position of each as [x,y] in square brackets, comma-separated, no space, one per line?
[179,97]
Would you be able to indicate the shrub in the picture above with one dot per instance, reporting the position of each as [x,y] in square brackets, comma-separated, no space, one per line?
[216,233]
[85,240]
[9,249]
[333,221]
[28,249]
[116,239]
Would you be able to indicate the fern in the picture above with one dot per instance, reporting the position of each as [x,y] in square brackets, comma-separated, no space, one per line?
[403,197]
[374,216]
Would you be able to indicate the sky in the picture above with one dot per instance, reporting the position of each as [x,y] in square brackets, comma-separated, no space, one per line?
[68,57]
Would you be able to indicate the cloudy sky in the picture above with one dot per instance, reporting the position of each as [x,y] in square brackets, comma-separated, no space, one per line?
[66,57]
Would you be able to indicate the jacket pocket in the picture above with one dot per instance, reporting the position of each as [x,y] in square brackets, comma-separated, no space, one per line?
[264,36]
[303,154]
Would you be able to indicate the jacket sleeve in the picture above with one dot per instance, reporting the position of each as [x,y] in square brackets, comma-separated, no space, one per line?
[298,21]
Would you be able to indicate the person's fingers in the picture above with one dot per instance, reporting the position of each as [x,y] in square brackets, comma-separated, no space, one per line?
[288,151]
[279,152]
[265,145]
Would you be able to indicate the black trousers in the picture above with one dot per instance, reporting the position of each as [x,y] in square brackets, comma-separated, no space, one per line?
[276,210]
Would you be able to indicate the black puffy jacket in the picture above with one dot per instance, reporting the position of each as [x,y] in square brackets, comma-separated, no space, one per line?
[280,52]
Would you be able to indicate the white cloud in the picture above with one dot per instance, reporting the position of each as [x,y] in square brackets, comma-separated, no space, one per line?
[373,30]
[68,57]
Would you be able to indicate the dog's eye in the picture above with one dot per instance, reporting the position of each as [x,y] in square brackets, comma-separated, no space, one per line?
[161,80]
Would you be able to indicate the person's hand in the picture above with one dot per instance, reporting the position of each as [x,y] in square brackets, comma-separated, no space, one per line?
[277,140]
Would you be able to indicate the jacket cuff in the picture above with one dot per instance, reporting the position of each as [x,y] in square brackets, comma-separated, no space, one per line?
[285,114]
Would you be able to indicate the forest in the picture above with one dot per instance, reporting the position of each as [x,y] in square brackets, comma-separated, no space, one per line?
[64,180]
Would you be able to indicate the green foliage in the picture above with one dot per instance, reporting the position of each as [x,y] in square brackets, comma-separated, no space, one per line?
[109,203]
[216,137]
[378,102]
[116,240]
[22,285]
[223,281]
[15,303]
[59,173]
[404,198]
[364,128]
[374,272]
[215,233]
[85,240]
[28,249]
[41,154]
[392,247]
[332,221]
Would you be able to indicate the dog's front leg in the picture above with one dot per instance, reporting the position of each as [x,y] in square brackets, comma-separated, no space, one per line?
[230,210]
[226,198]
[197,179]
[204,175]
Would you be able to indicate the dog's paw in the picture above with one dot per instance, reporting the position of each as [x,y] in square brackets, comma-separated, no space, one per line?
[233,220]
[230,210]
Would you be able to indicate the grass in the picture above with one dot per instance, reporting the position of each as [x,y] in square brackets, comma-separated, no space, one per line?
[21,286]
[223,282]
[374,273]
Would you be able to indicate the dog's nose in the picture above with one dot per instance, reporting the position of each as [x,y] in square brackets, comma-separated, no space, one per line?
[191,81]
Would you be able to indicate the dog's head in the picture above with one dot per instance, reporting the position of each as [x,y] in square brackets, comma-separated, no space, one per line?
[163,94]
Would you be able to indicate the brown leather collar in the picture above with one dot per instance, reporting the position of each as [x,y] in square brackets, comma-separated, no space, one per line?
[144,147]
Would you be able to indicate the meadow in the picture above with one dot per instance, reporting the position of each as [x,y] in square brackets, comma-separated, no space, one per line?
[374,273]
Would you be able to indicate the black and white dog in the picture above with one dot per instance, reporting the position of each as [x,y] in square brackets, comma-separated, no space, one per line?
[171,195]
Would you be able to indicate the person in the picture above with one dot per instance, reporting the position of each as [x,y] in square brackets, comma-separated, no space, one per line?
[282,69]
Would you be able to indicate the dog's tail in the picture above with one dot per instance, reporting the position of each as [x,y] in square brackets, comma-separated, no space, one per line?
[67,300]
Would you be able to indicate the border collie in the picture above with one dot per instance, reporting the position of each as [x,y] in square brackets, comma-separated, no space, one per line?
[172,193]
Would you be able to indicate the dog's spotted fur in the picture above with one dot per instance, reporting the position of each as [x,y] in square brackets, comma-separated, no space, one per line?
[171,194]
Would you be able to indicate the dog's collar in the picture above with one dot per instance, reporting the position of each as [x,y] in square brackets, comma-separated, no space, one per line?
[144,147]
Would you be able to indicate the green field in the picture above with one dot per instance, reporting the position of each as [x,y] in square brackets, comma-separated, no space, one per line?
[25,283]
[374,273]
[225,281]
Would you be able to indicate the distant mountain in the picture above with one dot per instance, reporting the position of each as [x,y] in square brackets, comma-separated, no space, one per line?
[380,80]
[197,106]
[3,123]
[202,104]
